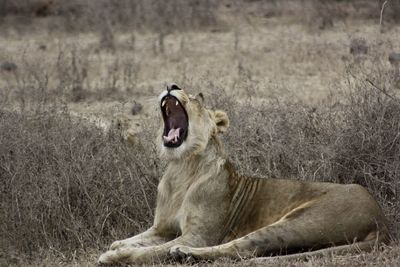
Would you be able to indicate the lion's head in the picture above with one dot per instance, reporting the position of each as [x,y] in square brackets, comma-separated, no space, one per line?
[187,125]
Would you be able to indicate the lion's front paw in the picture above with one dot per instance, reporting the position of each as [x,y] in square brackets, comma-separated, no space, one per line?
[106,258]
[124,255]
[182,253]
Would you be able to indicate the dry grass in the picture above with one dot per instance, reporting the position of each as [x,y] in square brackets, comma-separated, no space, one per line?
[66,185]
[299,103]
[389,256]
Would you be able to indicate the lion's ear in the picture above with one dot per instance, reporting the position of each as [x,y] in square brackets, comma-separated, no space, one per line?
[221,120]
[200,97]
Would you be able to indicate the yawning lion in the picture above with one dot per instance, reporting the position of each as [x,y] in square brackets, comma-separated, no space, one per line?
[206,210]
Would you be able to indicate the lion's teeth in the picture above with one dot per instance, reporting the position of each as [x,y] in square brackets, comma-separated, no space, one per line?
[163,103]
[176,103]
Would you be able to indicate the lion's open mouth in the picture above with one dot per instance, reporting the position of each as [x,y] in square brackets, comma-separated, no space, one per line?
[175,121]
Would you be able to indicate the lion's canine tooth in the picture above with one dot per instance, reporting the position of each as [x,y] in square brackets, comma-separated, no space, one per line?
[163,103]
[176,103]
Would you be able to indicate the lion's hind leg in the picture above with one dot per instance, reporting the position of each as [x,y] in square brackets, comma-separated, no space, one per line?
[286,235]
[188,253]
[272,238]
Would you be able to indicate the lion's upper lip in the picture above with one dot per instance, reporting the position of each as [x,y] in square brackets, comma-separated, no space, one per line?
[175,121]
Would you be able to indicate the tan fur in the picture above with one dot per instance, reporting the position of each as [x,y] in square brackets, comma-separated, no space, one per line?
[206,210]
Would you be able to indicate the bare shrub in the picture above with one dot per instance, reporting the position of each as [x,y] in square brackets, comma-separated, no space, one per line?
[358,46]
[8,66]
[66,185]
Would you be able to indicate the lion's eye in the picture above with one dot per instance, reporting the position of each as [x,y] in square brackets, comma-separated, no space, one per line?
[175,87]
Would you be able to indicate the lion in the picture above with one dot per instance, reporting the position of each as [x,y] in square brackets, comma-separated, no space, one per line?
[206,210]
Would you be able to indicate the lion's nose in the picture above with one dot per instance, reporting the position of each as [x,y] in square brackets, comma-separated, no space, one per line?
[173,86]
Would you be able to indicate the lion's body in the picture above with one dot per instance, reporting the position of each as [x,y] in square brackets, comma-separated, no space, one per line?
[206,210]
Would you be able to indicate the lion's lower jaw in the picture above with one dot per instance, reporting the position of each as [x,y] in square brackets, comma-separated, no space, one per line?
[175,153]
[185,150]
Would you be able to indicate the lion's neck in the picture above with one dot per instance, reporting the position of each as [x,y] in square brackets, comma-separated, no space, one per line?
[211,161]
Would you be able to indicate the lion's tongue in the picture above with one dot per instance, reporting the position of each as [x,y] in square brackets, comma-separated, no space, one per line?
[172,135]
